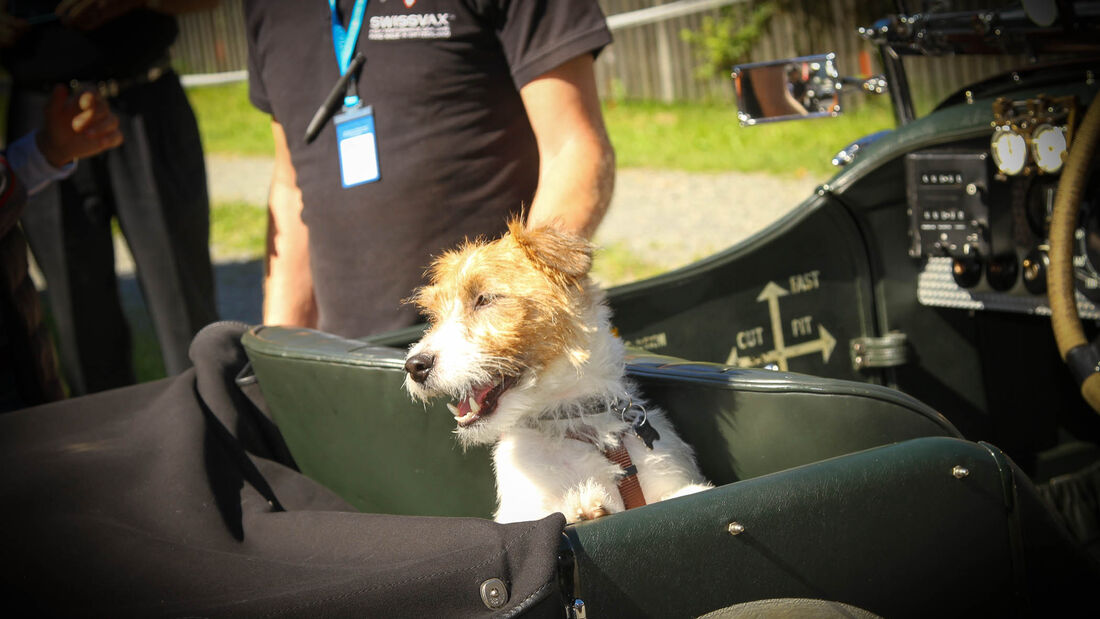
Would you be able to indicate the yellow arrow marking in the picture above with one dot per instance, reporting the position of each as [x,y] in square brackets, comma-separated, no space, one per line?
[825,342]
[771,293]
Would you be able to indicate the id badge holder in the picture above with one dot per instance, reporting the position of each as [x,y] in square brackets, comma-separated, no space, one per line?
[357,146]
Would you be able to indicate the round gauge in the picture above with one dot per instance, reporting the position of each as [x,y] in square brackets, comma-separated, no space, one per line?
[1042,12]
[1009,151]
[1048,147]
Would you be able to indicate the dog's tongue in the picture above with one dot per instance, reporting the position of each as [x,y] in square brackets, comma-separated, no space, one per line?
[479,396]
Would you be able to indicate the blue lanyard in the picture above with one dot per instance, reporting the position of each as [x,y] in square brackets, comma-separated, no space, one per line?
[343,40]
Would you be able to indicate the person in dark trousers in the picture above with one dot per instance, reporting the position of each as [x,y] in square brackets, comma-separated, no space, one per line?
[154,184]
[462,115]
[75,126]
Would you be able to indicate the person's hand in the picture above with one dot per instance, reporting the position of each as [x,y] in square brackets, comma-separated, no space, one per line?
[91,14]
[11,28]
[77,127]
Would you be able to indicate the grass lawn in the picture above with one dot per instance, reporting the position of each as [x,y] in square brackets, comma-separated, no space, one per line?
[237,229]
[708,138]
[682,136]
[228,123]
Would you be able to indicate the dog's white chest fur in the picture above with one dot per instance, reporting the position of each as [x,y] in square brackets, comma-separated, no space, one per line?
[538,473]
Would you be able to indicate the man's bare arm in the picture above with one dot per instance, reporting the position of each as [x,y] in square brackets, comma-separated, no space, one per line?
[288,284]
[577,162]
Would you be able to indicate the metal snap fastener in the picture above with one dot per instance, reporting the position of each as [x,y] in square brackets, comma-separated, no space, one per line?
[494,593]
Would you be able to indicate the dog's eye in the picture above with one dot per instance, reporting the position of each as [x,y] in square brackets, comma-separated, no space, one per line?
[483,300]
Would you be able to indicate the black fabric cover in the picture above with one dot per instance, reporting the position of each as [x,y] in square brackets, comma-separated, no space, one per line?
[164,499]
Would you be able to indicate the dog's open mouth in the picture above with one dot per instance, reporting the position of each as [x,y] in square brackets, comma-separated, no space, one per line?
[480,402]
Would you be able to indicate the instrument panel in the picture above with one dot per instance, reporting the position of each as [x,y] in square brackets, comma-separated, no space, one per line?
[979,214]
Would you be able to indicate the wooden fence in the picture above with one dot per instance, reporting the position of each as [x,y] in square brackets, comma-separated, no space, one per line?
[212,41]
[653,61]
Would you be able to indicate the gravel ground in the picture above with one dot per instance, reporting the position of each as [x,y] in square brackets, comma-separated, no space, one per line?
[672,218]
[244,179]
[667,218]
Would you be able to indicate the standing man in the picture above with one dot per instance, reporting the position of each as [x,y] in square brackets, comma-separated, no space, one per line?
[464,112]
[155,183]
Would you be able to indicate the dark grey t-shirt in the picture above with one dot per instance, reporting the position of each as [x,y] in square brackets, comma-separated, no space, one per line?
[456,151]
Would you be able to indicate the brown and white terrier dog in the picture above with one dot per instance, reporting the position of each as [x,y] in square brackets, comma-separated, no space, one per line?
[520,338]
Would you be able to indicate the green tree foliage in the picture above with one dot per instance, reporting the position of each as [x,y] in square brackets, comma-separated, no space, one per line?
[726,40]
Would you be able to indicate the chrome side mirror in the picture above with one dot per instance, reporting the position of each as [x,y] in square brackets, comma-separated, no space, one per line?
[789,89]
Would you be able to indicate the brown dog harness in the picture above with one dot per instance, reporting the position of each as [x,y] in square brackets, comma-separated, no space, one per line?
[629,488]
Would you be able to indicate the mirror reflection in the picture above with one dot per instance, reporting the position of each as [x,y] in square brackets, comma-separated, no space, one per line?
[806,87]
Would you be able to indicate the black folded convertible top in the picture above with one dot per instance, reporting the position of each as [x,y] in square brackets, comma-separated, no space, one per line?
[176,498]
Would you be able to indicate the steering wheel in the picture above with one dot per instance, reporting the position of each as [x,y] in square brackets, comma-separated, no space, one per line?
[1081,357]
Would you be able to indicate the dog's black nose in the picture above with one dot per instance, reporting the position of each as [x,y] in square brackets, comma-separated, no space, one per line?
[419,366]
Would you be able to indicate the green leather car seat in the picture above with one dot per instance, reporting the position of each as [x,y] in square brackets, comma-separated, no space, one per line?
[349,424]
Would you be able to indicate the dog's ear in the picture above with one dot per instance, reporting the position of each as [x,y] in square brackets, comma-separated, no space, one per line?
[552,247]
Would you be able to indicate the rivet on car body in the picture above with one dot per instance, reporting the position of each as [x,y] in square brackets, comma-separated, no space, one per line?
[735,528]
[960,471]
[494,593]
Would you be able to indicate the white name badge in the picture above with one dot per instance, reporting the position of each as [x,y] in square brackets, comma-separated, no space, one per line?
[358,148]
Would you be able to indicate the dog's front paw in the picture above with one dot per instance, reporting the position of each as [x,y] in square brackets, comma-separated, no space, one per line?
[590,513]
[588,501]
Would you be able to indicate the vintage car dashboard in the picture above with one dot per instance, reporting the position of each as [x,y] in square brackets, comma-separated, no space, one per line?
[979,213]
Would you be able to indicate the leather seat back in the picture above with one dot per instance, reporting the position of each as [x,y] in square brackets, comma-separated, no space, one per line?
[349,424]
[746,423]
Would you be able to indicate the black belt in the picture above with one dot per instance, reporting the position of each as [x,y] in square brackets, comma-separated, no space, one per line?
[108,88]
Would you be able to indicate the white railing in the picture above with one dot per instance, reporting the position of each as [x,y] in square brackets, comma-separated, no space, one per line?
[213,79]
[664,12]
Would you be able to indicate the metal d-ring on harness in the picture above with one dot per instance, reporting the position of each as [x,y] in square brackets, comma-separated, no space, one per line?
[645,432]
[629,488]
